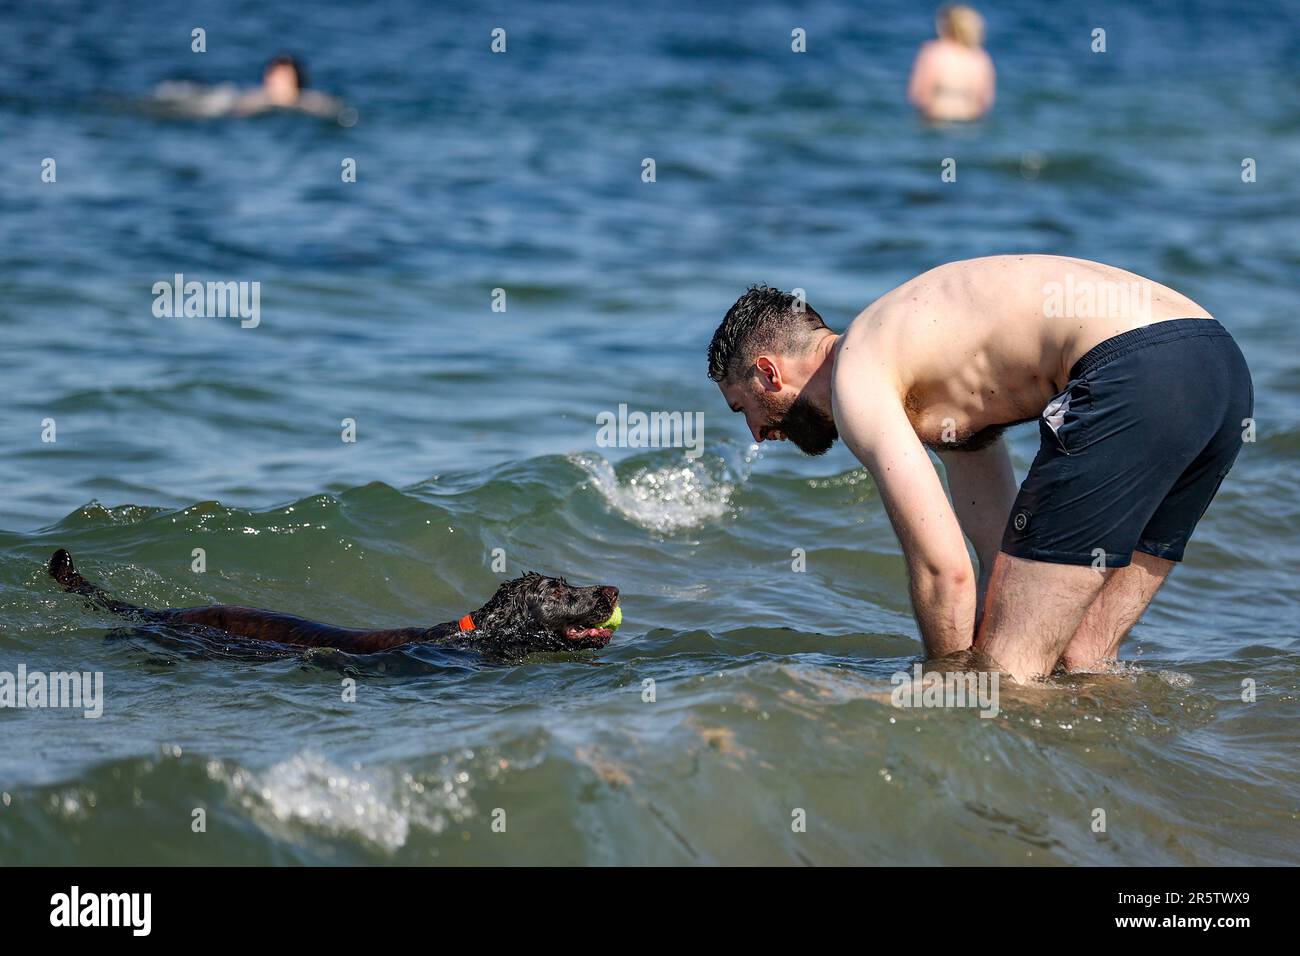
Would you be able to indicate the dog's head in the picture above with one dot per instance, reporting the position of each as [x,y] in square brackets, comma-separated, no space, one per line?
[539,613]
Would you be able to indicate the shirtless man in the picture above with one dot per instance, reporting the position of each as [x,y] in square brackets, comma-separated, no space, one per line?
[1140,398]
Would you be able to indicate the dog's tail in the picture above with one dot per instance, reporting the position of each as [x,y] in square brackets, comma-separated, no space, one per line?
[63,571]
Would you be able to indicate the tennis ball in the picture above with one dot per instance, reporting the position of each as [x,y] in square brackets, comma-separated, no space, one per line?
[615,619]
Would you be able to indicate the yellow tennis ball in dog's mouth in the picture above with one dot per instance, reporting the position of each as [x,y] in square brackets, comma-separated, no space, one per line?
[615,619]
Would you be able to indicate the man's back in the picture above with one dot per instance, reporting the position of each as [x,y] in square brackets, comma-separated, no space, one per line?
[986,342]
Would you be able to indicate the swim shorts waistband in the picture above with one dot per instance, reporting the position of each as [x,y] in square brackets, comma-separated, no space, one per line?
[1140,338]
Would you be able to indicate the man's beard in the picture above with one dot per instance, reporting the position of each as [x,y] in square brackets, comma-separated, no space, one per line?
[812,430]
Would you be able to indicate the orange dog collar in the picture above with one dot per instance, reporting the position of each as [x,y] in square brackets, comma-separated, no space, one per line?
[467,623]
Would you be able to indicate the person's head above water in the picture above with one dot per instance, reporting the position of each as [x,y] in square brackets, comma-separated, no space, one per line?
[283,80]
[960,24]
[772,358]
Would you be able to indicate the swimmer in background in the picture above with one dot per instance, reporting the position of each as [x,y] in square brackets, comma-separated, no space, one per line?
[953,78]
[284,87]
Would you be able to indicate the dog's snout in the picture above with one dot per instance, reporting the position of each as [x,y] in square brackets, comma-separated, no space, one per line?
[611,593]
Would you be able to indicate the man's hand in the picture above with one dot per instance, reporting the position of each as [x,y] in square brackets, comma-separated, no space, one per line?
[871,420]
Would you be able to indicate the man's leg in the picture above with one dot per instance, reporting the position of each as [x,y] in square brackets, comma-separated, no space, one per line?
[1031,611]
[1123,599]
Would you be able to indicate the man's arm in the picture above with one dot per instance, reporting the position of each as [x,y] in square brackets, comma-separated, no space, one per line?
[873,424]
[983,489]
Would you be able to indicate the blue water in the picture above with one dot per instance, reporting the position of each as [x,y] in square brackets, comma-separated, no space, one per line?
[477,430]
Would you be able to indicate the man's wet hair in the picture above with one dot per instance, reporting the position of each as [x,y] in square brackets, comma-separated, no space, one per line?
[762,320]
[291,61]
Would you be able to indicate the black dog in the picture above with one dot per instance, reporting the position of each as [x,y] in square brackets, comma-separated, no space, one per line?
[527,615]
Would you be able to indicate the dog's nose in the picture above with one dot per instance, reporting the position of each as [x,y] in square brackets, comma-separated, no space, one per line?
[610,592]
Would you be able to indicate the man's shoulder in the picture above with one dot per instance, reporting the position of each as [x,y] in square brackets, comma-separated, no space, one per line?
[865,371]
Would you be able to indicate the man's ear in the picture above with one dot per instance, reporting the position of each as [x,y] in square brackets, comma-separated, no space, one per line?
[768,373]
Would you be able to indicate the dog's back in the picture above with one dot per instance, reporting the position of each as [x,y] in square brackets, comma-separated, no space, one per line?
[247,622]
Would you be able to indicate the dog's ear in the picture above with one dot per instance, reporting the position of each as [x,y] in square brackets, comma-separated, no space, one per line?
[508,607]
[519,596]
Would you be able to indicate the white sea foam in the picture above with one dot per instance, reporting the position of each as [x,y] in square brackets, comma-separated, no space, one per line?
[667,498]
[375,806]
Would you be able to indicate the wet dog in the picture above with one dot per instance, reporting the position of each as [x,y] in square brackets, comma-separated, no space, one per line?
[530,614]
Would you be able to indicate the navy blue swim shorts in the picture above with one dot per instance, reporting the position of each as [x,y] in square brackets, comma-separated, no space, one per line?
[1135,448]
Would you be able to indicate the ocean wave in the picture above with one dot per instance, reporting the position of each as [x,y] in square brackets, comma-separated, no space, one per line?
[376,807]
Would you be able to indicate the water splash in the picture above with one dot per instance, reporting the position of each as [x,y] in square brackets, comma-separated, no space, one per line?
[309,792]
[664,498]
